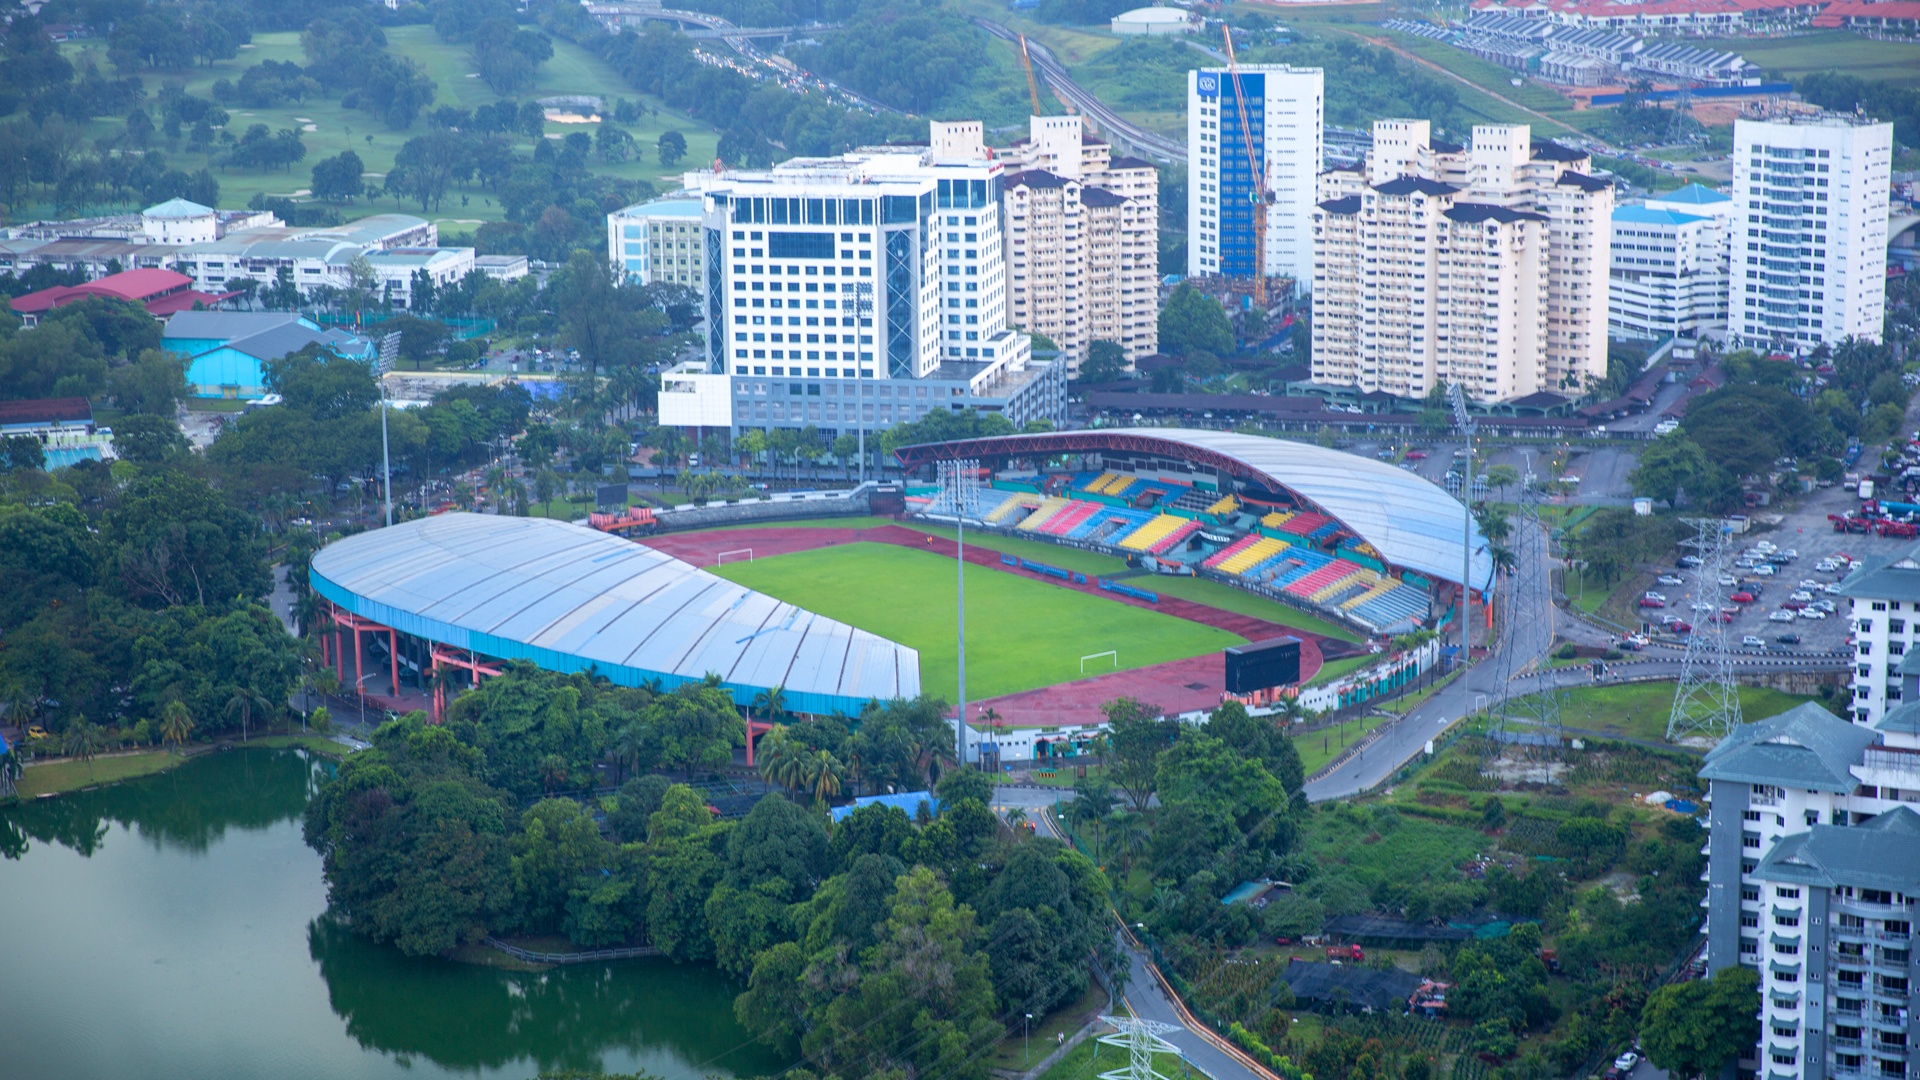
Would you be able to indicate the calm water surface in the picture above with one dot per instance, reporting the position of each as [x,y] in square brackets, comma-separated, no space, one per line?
[171,928]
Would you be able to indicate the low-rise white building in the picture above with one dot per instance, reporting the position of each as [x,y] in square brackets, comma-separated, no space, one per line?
[1154,22]
[659,242]
[1668,269]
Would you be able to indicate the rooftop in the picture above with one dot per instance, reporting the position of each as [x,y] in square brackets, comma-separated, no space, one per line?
[1882,578]
[1409,185]
[569,598]
[1644,215]
[177,208]
[1805,747]
[1152,15]
[1882,852]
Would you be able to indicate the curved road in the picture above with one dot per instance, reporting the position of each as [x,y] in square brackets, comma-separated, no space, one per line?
[1398,742]
[1117,129]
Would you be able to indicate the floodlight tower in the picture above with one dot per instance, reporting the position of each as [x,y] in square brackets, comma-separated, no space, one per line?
[960,493]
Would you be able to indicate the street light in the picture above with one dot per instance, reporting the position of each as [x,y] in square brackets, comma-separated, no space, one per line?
[1026,1036]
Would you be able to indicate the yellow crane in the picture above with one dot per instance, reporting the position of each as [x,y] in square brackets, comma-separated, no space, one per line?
[1033,88]
[1258,176]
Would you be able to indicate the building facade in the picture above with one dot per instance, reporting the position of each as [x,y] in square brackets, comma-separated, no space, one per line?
[1435,263]
[1813,877]
[1810,197]
[1286,127]
[1081,238]
[1668,272]
[866,289]
[1884,595]
[659,242]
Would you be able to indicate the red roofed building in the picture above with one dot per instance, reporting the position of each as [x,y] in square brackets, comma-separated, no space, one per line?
[1886,17]
[161,292]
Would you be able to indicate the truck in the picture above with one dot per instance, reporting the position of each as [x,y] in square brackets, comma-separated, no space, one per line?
[1345,952]
[1866,489]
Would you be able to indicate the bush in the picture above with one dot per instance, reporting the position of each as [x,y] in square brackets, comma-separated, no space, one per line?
[1566,651]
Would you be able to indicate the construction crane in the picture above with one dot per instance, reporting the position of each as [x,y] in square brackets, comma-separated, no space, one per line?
[1033,88]
[1260,196]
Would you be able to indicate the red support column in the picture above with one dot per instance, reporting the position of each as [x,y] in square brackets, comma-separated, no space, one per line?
[359,678]
[436,685]
[393,660]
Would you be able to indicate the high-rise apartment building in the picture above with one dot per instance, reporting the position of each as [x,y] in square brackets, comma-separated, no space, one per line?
[1668,276]
[1884,595]
[658,242]
[853,293]
[1813,879]
[1082,238]
[1486,265]
[1810,230]
[1285,125]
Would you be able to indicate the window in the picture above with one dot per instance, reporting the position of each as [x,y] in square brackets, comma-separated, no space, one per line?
[1785,892]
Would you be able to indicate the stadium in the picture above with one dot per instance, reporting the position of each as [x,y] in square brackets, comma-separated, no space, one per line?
[1098,565]
[1351,538]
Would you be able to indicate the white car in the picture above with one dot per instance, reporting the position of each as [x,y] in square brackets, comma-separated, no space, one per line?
[1803,596]
[1669,579]
[1763,570]
[1729,579]
[1765,548]
[1826,566]
[1752,642]
[1689,560]
[1790,553]
[1651,595]
[1780,616]
[1824,605]
[1625,1062]
[1809,583]
[1831,588]
[1701,605]
[1812,613]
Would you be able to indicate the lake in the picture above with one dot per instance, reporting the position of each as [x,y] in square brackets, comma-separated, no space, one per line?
[173,928]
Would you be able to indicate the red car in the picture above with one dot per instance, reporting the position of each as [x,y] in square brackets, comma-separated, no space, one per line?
[1742,597]
[1681,628]
[1416,455]
[1794,605]
[1651,602]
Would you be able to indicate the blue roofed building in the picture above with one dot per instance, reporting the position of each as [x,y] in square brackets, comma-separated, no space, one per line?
[1668,272]
[227,351]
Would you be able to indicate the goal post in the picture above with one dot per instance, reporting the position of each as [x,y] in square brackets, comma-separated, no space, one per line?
[721,559]
[1114,654]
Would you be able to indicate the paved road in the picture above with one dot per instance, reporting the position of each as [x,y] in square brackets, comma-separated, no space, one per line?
[1112,124]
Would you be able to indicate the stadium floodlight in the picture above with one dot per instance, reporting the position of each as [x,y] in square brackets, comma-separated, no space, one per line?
[959,482]
[1462,419]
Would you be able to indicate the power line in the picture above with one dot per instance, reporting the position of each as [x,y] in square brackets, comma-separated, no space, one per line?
[1707,701]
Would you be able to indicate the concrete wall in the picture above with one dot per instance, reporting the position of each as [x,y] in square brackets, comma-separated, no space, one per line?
[780,507]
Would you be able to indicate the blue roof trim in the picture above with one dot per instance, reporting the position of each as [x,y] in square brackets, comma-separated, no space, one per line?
[1643,215]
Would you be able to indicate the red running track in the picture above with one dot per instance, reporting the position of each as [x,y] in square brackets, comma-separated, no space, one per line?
[1177,686]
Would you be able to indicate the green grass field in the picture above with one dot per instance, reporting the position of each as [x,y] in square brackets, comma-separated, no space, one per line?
[1021,634]
[573,70]
[1639,710]
[54,777]
[1831,50]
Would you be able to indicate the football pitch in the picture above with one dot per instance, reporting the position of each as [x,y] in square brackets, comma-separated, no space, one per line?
[1022,634]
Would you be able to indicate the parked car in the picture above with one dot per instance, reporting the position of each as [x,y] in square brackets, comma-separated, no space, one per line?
[1689,560]
[1742,597]
[1763,570]
[1626,1062]
[1788,639]
[1728,581]
[1652,602]
[1753,642]
[1780,616]
[1651,595]
[1802,595]
[1812,613]
[1669,579]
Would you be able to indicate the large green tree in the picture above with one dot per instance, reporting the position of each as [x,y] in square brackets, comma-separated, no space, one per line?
[1192,321]
[1693,1028]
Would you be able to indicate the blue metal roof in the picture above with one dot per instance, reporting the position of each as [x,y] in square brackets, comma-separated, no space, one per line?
[569,598]
[1646,215]
[908,801]
[1697,194]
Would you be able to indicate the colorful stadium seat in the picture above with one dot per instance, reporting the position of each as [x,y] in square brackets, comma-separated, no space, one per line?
[1052,505]
[1144,537]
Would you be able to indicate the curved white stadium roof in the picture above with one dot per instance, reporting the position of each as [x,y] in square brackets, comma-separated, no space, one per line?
[569,598]
[1413,523]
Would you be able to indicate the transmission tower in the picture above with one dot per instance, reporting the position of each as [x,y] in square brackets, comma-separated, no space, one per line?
[1707,701]
[1526,615]
[1142,1039]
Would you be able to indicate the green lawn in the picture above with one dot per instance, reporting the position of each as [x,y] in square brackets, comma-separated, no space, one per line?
[1319,747]
[573,70]
[1021,634]
[1088,1060]
[54,777]
[1831,50]
[1639,710]
[1487,75]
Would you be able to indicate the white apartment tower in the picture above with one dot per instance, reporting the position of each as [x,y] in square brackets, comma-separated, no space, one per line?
[1668,276]
[1813,879]
[1810,241]
[1485,265]
[1285,124]
[1082,239]
[853,293]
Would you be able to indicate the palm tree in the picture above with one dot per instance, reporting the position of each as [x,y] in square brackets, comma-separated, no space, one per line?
[243,700]
[772,703]
[1016,817]
[627,746]
[83,740]
[1131,836]
[175,725]
[823,774]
